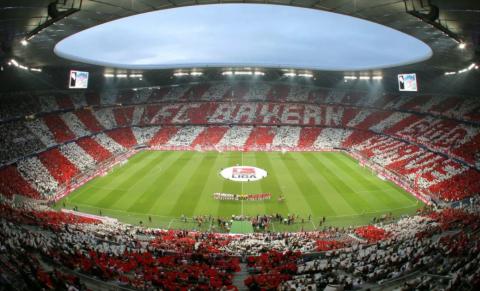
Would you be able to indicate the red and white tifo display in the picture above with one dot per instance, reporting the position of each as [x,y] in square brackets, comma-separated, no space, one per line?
[243,173]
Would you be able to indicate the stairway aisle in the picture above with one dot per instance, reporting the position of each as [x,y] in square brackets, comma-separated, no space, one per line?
[239,278]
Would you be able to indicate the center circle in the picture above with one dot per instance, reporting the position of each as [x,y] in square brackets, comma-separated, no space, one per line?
[243,173]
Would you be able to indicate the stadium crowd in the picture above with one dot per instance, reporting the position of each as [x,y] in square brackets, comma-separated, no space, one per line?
[49,142]
[433,244]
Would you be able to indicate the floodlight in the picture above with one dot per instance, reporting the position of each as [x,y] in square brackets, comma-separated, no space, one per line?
[243,73]
[306,75]
[180,74]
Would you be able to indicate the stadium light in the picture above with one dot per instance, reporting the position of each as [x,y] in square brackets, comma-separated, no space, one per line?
[472,66]
[24,42]
[350,77]
[196,74]
[136,76]
[306,75]
[108,75]
[180,74]
[244,73]
[377,77]
[290,74]
[121,75]
[364,78]
[20,66]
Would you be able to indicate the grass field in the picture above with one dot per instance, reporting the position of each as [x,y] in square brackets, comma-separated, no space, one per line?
[165,185]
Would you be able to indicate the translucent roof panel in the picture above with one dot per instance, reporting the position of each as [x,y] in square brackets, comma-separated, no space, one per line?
[233,35]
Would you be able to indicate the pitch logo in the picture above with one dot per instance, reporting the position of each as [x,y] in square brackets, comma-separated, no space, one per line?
[243,173]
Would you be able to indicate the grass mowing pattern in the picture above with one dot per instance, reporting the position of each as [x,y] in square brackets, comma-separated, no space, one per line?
[165,185]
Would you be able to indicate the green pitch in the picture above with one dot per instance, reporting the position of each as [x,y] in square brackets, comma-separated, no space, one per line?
[156,188]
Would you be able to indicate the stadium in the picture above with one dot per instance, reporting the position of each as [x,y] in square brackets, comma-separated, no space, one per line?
[239,145]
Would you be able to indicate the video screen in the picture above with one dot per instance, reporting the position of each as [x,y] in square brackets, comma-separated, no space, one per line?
[407,82]
[78,80]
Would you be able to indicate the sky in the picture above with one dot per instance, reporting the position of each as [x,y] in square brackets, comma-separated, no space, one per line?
[233,35]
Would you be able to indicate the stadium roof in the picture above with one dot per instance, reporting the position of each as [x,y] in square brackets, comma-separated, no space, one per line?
[243,35]
[20,17]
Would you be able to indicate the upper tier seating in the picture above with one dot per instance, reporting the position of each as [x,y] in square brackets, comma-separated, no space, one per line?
[22,104]
[429,153]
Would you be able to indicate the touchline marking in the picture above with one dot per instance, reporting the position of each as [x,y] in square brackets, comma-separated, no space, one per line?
[373,212]
[163,216]
[71,201]
[118,210]
[374,191]
[108,188]
[314,227]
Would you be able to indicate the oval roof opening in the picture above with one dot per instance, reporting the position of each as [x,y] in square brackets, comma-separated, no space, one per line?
[243,35]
